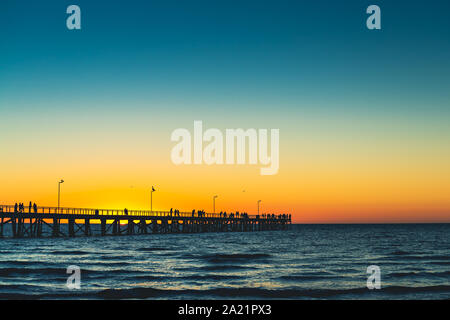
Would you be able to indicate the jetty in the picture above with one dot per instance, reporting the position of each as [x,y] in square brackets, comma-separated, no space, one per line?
[36,222]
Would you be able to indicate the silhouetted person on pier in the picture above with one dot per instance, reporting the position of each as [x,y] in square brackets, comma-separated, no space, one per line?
[35,208]
[29,208]
[21,207]
[125,211]
[170,211]
[96,212]
[193,212]
[15,208]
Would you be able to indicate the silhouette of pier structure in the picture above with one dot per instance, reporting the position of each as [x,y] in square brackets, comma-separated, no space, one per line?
[70,222]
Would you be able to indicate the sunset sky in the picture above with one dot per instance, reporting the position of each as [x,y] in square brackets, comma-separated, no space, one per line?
[364,116]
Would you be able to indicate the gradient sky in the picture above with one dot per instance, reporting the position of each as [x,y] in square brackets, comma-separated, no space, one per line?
[364,116]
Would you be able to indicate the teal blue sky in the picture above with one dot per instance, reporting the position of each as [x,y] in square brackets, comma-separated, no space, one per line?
[203,55]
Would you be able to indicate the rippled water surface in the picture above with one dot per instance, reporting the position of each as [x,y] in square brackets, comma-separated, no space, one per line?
[306,262]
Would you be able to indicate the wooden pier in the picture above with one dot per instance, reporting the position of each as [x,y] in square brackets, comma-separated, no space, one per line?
[35,222]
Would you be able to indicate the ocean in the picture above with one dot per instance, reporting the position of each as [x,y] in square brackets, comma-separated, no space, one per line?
[305,262]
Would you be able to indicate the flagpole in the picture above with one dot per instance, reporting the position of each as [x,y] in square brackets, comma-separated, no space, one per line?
[151,198]
[214,204]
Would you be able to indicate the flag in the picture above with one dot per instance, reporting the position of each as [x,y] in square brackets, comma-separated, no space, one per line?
[153,189]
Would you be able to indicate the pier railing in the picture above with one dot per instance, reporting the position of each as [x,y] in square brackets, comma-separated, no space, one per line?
[11,209]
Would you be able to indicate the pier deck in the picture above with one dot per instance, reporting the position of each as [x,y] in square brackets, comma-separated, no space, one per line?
[71,222]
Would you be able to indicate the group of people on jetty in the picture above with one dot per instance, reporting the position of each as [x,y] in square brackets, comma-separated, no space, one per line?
[243,215]
[20,208]
[32,208]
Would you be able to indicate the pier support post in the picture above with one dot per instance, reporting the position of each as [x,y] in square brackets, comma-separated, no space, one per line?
[87,227]
[143,226]
[130,229]
[55,232]
[115,224]
[71,226]
[13,227]
[39,227]
[103,222]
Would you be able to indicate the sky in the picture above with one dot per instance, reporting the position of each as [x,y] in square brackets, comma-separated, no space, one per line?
[364,115]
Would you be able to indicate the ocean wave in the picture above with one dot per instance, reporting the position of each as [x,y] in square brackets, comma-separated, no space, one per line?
[214,277]
[7,272]
[150,278]
[224,268]
[418,257]
[400,253]
[116,257]
[420,274]
[72,252]
[303,277]
[237,257]
[13,271]
[143,293]
[154,249]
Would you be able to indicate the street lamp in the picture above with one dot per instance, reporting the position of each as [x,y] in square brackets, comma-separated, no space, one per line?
[59,192]
[258,206]
[214,203]
[151,199]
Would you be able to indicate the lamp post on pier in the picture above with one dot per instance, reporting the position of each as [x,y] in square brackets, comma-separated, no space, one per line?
[258,206]
[59,193]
